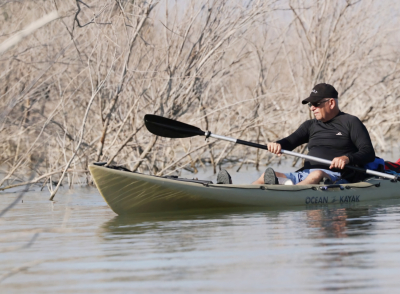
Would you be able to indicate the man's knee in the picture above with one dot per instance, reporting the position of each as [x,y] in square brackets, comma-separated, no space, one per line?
[316,175]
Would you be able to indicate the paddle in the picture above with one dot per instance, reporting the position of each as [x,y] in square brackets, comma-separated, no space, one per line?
[165,127]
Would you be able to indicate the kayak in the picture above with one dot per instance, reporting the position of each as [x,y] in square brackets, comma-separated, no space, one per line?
[130,192]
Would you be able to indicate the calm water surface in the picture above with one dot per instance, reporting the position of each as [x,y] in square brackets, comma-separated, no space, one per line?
[78,245]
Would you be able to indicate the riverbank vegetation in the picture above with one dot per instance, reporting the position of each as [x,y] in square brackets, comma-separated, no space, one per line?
[76,90]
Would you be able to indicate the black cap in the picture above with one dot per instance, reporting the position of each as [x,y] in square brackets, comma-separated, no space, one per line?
[321,91]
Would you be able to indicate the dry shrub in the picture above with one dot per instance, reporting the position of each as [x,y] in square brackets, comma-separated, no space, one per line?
[76,90]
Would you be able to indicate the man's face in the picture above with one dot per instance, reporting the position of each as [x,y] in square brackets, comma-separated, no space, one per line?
[323,110]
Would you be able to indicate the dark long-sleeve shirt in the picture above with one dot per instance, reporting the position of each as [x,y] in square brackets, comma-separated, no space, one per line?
[345,135]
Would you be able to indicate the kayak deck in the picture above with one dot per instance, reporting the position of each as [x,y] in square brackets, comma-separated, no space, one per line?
[129,192]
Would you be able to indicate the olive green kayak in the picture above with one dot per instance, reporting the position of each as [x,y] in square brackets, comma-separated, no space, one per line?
[129,192]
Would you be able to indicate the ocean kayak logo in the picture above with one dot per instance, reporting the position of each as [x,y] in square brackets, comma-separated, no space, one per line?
[334,199]
[348,199]
[316,200]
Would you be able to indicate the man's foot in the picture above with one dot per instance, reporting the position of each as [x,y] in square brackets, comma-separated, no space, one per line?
[223,177]
[270,177]
[326,181]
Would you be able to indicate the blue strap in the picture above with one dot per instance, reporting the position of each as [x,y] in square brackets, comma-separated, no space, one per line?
[392,172]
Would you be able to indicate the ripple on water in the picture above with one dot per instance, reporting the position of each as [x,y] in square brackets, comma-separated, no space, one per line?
[77,244]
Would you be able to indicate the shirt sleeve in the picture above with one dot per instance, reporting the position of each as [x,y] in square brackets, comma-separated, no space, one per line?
[361,139]
[299,137]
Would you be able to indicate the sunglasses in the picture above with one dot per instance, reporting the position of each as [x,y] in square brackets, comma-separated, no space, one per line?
[316,104]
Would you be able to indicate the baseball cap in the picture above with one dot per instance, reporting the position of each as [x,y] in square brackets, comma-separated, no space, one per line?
[321,91]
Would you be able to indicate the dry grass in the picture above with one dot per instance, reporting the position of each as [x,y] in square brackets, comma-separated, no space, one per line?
[76,90]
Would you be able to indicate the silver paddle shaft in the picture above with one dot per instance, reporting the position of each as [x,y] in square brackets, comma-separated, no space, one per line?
[316,159]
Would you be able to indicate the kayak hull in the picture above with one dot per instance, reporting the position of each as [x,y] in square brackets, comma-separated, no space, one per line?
[128,193]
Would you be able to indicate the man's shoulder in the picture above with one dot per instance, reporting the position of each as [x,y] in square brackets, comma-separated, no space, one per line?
[345,117]
[308,123]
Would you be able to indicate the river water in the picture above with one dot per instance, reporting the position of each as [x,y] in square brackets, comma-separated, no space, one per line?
[76,244]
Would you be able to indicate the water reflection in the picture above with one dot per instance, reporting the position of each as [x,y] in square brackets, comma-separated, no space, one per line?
[123,226]
[331,246]
[340,222]
[343,234]
[303,250]
[331,222]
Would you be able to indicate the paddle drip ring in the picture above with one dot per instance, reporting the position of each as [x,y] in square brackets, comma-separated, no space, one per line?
[208,134]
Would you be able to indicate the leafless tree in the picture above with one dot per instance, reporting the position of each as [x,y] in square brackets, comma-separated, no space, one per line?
[76,90]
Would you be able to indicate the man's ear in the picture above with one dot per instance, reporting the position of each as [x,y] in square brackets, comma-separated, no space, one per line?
[332,103]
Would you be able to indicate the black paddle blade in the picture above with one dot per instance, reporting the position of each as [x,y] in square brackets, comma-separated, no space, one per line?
[165,127]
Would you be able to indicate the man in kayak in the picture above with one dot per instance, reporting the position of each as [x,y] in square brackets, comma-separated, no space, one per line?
[333,135]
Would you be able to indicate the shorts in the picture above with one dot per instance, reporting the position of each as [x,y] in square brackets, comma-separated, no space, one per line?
[297,177]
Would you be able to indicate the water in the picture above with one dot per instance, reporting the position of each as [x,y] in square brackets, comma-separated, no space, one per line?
[78,245]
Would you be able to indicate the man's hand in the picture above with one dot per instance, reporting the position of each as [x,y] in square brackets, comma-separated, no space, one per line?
[275,148]
[339,162]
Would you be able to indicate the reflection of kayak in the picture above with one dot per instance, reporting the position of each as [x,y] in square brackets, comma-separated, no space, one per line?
[127,192]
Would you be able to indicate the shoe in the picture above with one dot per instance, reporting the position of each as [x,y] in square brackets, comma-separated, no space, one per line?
[223,177]
[270,177]
[326,181]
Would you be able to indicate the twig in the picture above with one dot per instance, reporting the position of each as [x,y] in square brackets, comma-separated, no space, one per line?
[10,42]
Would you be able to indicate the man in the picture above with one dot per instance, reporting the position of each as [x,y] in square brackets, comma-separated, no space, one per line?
[333,135]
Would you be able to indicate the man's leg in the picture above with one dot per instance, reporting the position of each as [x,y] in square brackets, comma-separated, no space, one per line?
[303,177]
[260,180]
[314,177]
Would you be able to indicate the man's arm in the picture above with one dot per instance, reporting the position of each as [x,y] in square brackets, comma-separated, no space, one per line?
[360,137]
[299,137]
